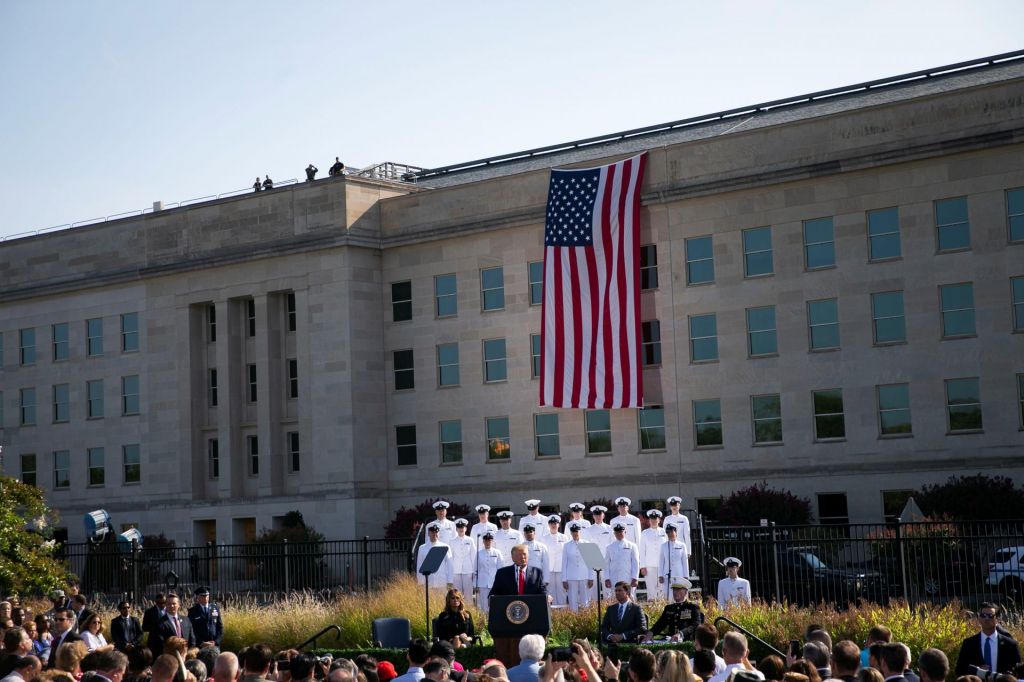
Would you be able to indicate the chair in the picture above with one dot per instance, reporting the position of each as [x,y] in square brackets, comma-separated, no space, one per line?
[391,633]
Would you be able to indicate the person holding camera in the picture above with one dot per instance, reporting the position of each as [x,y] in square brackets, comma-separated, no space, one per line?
[989,650]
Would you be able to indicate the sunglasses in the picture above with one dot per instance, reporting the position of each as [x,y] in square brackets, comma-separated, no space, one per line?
[59,620]
[986,616]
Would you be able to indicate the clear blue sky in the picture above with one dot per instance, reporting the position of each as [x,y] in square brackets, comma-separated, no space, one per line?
[108,106]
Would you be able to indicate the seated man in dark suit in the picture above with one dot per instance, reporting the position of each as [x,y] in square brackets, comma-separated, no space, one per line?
[519,578]
[125,629]
[624,621]
[173,624]
[989,649]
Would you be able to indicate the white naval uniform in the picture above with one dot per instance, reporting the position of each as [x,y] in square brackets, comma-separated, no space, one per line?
[463,563]
[505,540]
[682,524]
[538,521]
[632,525]
[651,540]
[447,531]
[555,542]
[443,577]
[736,591]
[488,561]
[539,557]
[623,560]
[576,573]
[672,565]
[601,535]
[582,523]
[478,529]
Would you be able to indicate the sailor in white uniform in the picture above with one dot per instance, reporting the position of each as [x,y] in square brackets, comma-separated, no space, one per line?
[533,517]
[506,537]
[630,523]
[488,560]
[732,589]
[679,520]
[600,533]
[539,556]
[483,525]
[622,557]
[555,542]
[444,576]
[576,516]
[442,521]
[463,557]
[672,562]
[651,539]
[577,579]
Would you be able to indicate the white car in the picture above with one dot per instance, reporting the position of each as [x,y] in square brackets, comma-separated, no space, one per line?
[1005,570]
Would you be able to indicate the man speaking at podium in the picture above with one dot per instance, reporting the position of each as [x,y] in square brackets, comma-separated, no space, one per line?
[519,578]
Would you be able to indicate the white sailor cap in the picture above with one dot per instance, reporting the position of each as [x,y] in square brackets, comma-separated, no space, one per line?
[574,528]
[554,518]
[733,561]
[670,527]
[434,528]
[461,522]
[576,506]
[598,509]
[505,514]
[528,528]
[617,527]
[440,504]
[675,499]
[488,535]
[681,584]
[481,508]
[623,500]
[653,514]
[532,504]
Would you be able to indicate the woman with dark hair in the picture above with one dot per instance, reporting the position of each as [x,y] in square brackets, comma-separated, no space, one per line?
[802,667]
[92,634]
[772,667]
[455,623]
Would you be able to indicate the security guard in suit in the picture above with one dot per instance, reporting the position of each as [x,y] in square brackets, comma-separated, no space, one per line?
[206,619]
[681,618]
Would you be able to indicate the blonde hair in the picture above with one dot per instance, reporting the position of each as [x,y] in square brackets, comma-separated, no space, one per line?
[70,655]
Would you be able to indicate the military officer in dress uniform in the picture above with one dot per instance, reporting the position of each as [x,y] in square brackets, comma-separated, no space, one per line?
[672,561]
[555,542]
[533,517]
[443,577]
[539,556]
[488,560]
[732,589]
[463,557]
[205,618]
[679,520]
[506,537]
[600,533]
[651,539]
[577,580]
[681,618]
[576,516]
[446,525]
[622,557]
[629,522]
[484,524]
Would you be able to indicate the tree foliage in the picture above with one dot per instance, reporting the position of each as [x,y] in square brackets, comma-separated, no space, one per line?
[972,498]
[748,506]
[293,529]
[407,520]
[27,564]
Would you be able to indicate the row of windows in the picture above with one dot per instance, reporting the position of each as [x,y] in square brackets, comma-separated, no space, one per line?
[291,318]
[252,384]
[963,415]
[60,401]
[252,455]
[95,467]
[60,340]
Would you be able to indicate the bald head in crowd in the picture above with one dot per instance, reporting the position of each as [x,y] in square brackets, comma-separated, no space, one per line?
[225,668]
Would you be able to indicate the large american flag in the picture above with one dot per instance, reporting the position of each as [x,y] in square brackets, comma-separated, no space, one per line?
[590,338]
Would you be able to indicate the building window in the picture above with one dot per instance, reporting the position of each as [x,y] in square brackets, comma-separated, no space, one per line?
[250,371]
[492,288]
[1015,214]
[953,231]
[448,364]
[819,244]
[250,317]
[294,456]
[498,442]
[823,324]
[291,318]
[252,447]
[213,458]
[649,267]
[1017,292]
[451,441]
[700,261]
[129,332]
[766,411]
[1020,399]
[957,302]
[703,338]
[61,403]
[293,378]
[598,425]
[130,394]
[28,469]
[887,321]
[94,336]
[61,469]
[97,470]
[401,301]
[761,338]
[894,410]
[893,502]
[884,234]
[132,463]
[545,430]
[405,378]
[94,398]
[536,272]
[707,422]
[28,406]
[651,422]
[832,509]
[829,422]
[757,252]
[651,331]
[211,390]
[61,343]
[963,404]
[446,297]
[211,323]
[534,356]
[27,346]
[405,440]
[495,368]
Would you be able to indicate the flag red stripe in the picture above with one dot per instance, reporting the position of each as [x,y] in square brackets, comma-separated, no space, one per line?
[559,331]
[594,308]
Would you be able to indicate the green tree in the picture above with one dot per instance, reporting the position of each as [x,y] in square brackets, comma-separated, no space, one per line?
[972,498]
[748,506]
[27,564]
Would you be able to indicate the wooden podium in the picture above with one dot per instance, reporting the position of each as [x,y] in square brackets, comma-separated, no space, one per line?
[510,616]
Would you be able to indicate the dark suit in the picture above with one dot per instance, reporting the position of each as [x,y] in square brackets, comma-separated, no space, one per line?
[164,630]
[505,581]
[80,618]
[206,624]
[631,626]
[58,641]
[150,617]
[125,633]
[1007,654]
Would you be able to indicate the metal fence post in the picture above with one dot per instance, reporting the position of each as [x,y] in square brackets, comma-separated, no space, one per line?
[366,562]
[902,556]
[775,564]
[705,579]
[287,577]
[135,570]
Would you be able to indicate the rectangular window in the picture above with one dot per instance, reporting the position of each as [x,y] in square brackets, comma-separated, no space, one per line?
[61,342]
[211,389]
[291,318]
[534,355]
[94,336]
[401,301]
[97,471]
[819,244]
[132,463]
[250,371]
[832,509]
[1017,294]
[495,368]
[61,469]
[893,502]
[766,411]
[28,469]
[250,317]
[492,288]
[829,422]
[545,431]
[213,458]
[405,440]
[536,282]
[446,296]
[294,454]
[405,376]
[823,324]
[957,302]
[211,323]
[61,403]
[887,321]
[1020,399]
[651,422]
[884,234]
[648,267]
[27,346]
[703,338]
[707,422]
[953,231]
[757,252]
[451,441]
[130,394]
[700,261]
[963,404]
[761,338]
[94,399]
[448,364]
[252,447]
[598,424]
[651,331]
[293,378]
[894,410]
[1015,214]
[28,406]
[498,442]
[129,332]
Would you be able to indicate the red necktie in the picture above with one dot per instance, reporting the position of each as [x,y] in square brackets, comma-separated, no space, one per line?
[522,581]
[177,627]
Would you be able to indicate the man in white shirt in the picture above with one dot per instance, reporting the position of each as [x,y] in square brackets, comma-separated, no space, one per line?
[533,517]
[443,577]
[463,558]
[488,560]
[555,542]
[417,655]
[651,539]
[483,525]
[25,668]
[732,589]
[630,522]
[446,525]
[734,651]
[577,579]
[506,537]
[623,560]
